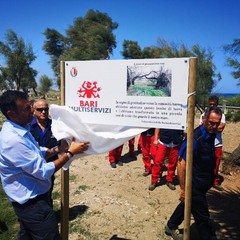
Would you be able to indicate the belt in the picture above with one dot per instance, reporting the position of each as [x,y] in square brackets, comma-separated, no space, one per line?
[31,201]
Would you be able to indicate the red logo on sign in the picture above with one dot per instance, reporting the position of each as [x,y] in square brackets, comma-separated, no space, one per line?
[89,90]
[73,72]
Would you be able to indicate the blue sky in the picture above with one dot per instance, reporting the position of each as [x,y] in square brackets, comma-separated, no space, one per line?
[209,23]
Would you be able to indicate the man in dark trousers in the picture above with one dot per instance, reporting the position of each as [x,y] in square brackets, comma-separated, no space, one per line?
[204,162]
[25,174]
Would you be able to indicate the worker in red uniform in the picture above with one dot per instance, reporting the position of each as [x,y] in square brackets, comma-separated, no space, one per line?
[148,150]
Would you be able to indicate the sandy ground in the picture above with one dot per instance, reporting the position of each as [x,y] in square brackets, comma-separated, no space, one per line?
[108,203]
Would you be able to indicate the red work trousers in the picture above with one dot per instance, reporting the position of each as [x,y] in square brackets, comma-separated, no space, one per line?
[162,152]
[131,146]
[218,155]
[140,143]
[148,151]
[115,154]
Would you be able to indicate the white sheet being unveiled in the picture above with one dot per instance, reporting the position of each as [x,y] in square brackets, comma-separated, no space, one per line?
[67,124]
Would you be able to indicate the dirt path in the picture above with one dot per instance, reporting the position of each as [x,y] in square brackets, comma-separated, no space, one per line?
[108,203]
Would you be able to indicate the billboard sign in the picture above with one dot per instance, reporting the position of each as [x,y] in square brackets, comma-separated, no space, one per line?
[138,93]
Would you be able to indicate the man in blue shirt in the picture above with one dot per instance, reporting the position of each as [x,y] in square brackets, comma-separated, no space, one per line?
[25,174]
[204,162]
[213,101]
[42,132]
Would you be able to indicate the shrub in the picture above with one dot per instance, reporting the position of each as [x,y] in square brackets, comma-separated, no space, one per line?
[232,101]
[236,117]
[229,115]
[232,116]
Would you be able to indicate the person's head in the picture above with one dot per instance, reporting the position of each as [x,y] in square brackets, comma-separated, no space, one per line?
[16,107]
[40,107]
[212,119]
[213,100]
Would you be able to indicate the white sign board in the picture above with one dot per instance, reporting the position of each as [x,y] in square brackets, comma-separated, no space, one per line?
[138,93]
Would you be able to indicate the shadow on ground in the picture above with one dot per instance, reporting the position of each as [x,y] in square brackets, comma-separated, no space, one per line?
[115,237]
[74,212]
[126,158]
[224,213]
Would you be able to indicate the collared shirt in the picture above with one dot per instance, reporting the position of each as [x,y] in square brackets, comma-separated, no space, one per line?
[183,150]
[41,134]
[24,172]
[44,138]
[204,160]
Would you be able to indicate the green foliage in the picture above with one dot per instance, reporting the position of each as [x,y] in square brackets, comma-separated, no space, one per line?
[56,195]
[76,227]
[19,57]
[45,85]
[89,38]
[82,188]
[72,177]
[228,116]
[236,117]
[233,101]
[2,119]
[4,83]
[131,50]
[140,89]
[233,60]
[54,46]
[206,76]
[8,220]
[232,116]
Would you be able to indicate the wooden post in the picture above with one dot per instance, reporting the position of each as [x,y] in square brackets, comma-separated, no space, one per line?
[64,174]
[190,130]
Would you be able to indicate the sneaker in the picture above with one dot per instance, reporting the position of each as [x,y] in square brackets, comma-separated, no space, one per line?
[175,234]
[218,187]
[171,185]
[120,163]
[152,186]
[146,173]
[113,165]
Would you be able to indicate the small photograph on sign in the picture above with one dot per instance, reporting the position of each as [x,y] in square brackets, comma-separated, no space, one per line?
[144,81]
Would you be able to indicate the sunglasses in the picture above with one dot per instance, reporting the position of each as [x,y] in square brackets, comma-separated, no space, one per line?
[213,123]
[42,109]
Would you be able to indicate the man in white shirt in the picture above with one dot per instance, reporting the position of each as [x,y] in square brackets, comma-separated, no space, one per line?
[25,174]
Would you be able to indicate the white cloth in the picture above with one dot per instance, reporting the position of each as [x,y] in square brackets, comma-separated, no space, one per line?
[169,145]
[67,124]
